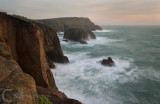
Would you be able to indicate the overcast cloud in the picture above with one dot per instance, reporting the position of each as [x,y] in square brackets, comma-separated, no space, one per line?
[109,12]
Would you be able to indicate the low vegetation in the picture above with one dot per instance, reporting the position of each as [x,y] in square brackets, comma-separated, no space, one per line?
[43,100]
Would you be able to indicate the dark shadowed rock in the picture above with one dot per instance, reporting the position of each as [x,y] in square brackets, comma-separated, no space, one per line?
[79,35]
[108,62]
[50,63]
[56,97]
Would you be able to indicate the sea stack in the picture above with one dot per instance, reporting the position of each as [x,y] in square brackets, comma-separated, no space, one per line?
[79,35]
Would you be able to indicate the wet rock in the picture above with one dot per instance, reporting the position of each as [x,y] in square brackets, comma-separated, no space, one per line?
[83,42]
[65,40]
[108,62]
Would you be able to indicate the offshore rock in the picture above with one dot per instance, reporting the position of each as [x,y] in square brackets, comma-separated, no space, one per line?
[108,62]
[79,35]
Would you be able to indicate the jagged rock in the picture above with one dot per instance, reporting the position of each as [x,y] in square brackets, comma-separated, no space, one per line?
[108,62]
[62,24]
[56,97]
[51,65]
[16,86]
[79,35]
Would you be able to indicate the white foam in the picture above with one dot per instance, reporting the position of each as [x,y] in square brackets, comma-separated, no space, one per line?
[104,31]
[60,32]
[82,77]
[91,42]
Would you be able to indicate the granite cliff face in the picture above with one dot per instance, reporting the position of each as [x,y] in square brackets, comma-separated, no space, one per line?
[26,46]
[15,85]
[62,24]
[52,44]
[25,58]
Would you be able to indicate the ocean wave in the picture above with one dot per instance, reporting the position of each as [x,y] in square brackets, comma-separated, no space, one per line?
[85,76]
[91,42]
[103,31]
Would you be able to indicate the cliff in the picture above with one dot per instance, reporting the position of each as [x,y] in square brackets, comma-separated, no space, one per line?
[52,44]
[62,24]
[26,46]
[26,50]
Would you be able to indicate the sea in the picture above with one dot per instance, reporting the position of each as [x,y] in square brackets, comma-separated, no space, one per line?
[134,80]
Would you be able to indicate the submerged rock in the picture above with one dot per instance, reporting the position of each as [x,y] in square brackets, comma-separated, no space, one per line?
[108,62]
[79,35]
[65,40]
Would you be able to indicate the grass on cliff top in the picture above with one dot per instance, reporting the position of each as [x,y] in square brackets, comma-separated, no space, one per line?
[19,17]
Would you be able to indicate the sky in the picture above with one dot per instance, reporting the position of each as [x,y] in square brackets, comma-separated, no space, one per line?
[102,12]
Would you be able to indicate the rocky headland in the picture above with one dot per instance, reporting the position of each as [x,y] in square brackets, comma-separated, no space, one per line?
[65,23]
[27,49]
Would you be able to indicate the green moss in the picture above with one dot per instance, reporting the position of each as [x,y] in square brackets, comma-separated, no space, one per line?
[43,100]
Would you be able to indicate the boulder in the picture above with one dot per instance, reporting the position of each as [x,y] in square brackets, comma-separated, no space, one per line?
[79,35]
[108,62]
